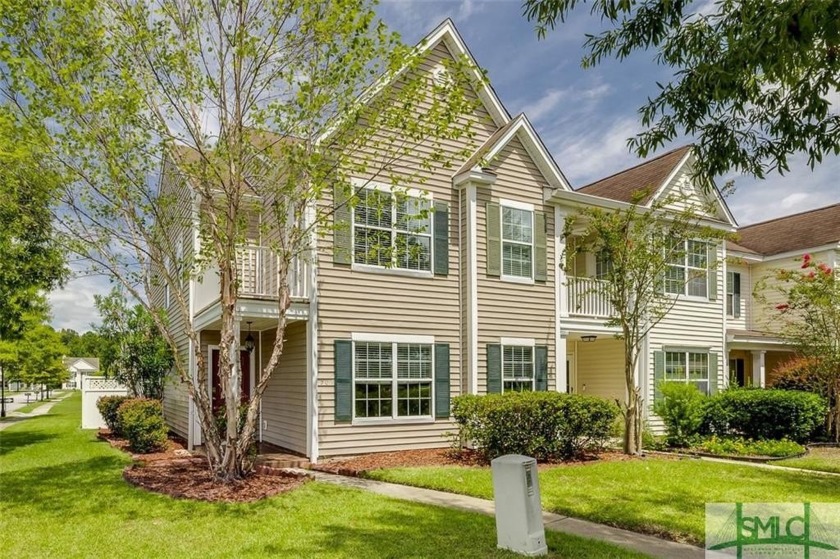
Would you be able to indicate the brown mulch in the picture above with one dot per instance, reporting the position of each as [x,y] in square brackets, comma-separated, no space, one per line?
[359,465]
[189,478]
[177,473]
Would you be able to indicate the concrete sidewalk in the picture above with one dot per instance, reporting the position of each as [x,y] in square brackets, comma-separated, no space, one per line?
[43,409]
[648,545]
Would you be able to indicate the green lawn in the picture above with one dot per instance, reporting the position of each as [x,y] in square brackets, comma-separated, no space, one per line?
[62,495]
[823,459]
[654,496]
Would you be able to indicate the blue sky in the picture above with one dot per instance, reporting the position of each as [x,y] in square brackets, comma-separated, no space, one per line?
[583,116]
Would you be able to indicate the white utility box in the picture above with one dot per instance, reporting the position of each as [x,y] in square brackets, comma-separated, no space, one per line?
[516,490]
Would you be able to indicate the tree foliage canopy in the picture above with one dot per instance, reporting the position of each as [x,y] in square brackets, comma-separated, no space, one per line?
[754,81]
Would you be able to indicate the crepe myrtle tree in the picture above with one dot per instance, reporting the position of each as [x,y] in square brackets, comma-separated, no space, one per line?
[754,82]
[809,317]
[176,116]
[639,246]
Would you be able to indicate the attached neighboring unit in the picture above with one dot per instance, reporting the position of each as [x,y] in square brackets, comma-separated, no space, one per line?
[375,350]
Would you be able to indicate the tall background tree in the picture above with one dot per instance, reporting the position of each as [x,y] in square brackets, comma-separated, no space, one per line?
[639,244]
[36,357]
[753,80]
[242,107]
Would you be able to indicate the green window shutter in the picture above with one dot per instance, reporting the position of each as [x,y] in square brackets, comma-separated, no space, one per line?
[541,367]
[736,295]
[540,252]
[713,272]
[658,375]
[441,234]
[441,380]
[713,373]
[494,368]
[494,240]
[343,380]
[342,226]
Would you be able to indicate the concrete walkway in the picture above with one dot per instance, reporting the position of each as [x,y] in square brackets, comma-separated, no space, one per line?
[648,545]
[43,409]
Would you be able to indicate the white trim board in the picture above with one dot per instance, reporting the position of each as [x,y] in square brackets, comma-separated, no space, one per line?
[391,338]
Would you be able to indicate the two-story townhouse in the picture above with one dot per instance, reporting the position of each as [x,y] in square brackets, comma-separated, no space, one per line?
[376,346]
[755,349]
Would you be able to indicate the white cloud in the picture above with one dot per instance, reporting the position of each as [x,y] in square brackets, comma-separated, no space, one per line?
[73,307]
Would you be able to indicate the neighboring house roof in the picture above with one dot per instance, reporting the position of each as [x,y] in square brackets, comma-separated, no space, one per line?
[520,127]
[79,363]
[802,231]
[647,176]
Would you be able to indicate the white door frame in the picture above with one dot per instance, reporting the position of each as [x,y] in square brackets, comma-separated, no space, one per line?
[571,361]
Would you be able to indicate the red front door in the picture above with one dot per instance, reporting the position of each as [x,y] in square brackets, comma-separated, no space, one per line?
[245,364]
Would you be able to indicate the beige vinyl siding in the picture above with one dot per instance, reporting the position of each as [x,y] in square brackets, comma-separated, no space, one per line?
[693,323]
[681,187]
[507,309]
[764,287]
[743,321]
[599,368]
[388,303]
[284,399]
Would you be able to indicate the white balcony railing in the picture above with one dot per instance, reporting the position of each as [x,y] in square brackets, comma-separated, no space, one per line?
[588,297]
[259,278]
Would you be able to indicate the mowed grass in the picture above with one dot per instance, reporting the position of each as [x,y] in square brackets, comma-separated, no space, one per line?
[62,495]
[651,495]
[819,458]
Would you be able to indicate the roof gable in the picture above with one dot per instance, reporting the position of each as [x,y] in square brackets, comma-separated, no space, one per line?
[522,129]
[802,231]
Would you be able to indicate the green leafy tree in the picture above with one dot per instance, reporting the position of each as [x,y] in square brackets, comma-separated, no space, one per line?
[135,353]
[809,318]
[640,244]
[250,107]
[753,80]
[88,344]
[32,261]
[38,356]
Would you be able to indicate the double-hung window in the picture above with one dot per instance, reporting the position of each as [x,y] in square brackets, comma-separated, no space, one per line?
[517,368]
[733,294]
[688,366]
[603,265]
[517,242]
[688,269]
[392,230]
[392,380]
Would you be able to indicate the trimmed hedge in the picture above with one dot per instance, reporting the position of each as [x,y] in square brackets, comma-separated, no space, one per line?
[108,407]
[681,409]
[143,425]
[759,413]
[544,425]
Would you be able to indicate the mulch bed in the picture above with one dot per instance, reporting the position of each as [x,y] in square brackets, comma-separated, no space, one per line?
[177,473]
[357,466]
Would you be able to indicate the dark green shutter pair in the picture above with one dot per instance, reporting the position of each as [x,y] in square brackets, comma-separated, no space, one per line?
[343,246]
[494,243]
[494,368]
[733,286]
[659,374]
[344,380]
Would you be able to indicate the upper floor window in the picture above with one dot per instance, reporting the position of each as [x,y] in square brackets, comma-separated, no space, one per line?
[517,368]
[603,265]
[392,380]
[688,366]
[517,242]
[733,294]
[392,230]
[688,269]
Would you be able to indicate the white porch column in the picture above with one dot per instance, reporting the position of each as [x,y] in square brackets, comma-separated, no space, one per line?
[758,368]
[561,292]
[472,286]
[560,360]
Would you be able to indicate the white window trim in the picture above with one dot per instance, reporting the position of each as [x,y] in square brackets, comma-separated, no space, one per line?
[686,269]
[519,342]
[686,351]
[727,294]
[394,340]
[524,206]
[359,184]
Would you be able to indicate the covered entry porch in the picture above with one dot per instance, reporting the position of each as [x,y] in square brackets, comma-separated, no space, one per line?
[595,365]
[755,358]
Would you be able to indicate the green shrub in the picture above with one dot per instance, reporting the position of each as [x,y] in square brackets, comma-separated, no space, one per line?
[742,447]
[758,413]
[108,406]
[681,409]
[143,425]
[544,425]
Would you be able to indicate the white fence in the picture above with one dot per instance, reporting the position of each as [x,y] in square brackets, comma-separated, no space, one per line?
[588,297]
[94,388]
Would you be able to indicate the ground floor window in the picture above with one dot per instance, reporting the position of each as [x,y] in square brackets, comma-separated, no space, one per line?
[688,366]
[392,380]
[517,368]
